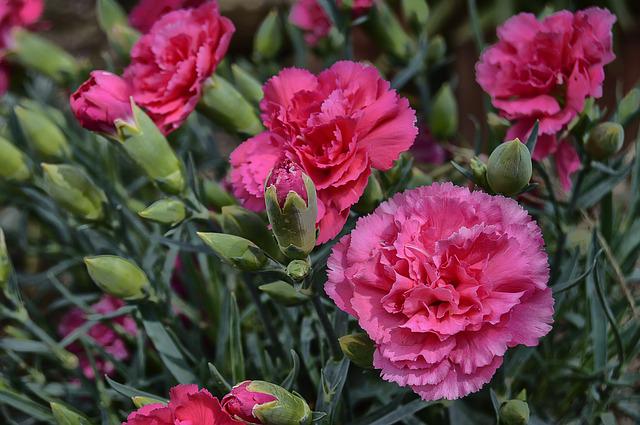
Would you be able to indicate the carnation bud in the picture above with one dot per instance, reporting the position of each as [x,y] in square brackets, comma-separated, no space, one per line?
[509,168]
[514,412]
[284,293]
[247,85]
[259,402]
[74,191]
[359,349]
[298,269]
[228,108]
[5,263]
[239,252]
[389,32]
[291,202]
[629,106]
[416,12]
[113,21]
[443,119]
[35,52]
[371,197]
[268,39]
[437,49]
[216,195]
[498,125]
[479,172]
[147,147]
[45,136]
[100,101]
[65,415]
[118,277]
[605,140]
[13,163]
[165,211]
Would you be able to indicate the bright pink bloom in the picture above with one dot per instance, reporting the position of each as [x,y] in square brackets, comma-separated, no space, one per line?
[147,12]
[170,64]
[187,405]
[444,281]
[102,334]
[544,70]
[287,177]
[239,403]
[335,126]
[311,17]
[100,101]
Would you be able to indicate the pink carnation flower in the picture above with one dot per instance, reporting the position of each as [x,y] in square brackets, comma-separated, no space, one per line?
[311,17]
[170,64]
[544,70]
[147,12]
[102,334]
[444,281]
[187,405]
[335,126]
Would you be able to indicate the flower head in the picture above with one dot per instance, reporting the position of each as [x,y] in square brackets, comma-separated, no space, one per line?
[444,280]
[170,64]
[17,13]
[147,12]
[240,402]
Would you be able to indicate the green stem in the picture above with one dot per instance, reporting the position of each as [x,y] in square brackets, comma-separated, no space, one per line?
[334,345]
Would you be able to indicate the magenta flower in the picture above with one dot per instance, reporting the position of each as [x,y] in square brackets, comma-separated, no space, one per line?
[544,70]
[444,281]
[170,64]
[102,334]
[336,126]
[287,177]
[100,101]
[147,12]
[239,403]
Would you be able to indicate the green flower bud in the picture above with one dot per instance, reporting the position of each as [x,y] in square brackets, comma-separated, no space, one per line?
[509,168]
[284,293]
[45,136]
[74,191]
[147,147]
[605,140]
[479,172]
[247,85]
[140,401]
[268,39]
[292,208]
[5,263]
[514,412]
[443,119]
[359,349]
[371,197]
[389,32]
[298,269]
[65,415]
[629,105]
[215,194]
[113,21]
[118,277]
[225,106]
[437,49]
[35,52]
[165,211]
[416,12]
[239,252]
[13,163]
[498,125]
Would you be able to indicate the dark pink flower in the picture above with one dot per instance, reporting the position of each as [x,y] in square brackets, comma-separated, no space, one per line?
[544,70]
[170,64]
[102,334]
[239,403]
[444,281]
[187,405]
[100,101]
[147,12]
[336,126]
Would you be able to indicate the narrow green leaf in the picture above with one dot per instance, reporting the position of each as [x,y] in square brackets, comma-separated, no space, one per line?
[129,392]
[293,374]
[218,380]
[333,377]
[25,404]
[533,137]
[236,353]
[403,412]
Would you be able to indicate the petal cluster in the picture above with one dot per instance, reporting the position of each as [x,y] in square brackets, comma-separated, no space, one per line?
[544,70]
[444,281]
[336,126]
[170,63]
[103,335]
[147,12]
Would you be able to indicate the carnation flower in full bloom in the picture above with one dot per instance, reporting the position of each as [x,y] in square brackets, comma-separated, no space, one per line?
[170,64]
[102,334]
[336,126]
[187,405]
[147,12]
[444,281]
[544,70]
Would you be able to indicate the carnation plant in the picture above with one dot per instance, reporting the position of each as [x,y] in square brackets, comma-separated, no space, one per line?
[193,234]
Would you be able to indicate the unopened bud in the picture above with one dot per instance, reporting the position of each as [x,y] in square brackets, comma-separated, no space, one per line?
[284,293]
[239,252]
[165,211]
[268,39]
[259,402]
[228,108]
[498,125]
[113,21]
[389,32]
[42,133]
[119,277]
[5,263]
[216,195]
[13,163]
[247,84]
[509,168]
[74,191]
[298,269]
[514,412]
[479,172]
[416,12]
[443,119]
[605,140]
[371,197]
[147,147]
[292,208]
[359,349]
[65,415]
[437,49]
